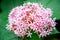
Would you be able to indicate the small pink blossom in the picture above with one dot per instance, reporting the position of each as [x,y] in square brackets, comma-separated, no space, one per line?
[31,16]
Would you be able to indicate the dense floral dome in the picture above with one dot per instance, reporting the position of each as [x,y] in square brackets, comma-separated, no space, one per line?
[31,17]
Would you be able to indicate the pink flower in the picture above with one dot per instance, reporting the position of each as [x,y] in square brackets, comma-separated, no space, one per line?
[31,16]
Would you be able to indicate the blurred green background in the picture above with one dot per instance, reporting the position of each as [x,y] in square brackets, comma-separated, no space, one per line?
[7,5]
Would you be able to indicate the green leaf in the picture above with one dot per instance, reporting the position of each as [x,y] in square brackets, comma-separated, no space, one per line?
[54,31]
[6,34]
[34,36]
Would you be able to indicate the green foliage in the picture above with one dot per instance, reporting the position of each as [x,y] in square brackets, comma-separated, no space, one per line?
[7,5]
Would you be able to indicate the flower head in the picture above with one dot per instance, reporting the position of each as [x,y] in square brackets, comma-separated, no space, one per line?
[32,16]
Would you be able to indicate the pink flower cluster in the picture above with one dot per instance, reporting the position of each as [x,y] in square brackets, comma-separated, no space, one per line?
[31,17]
